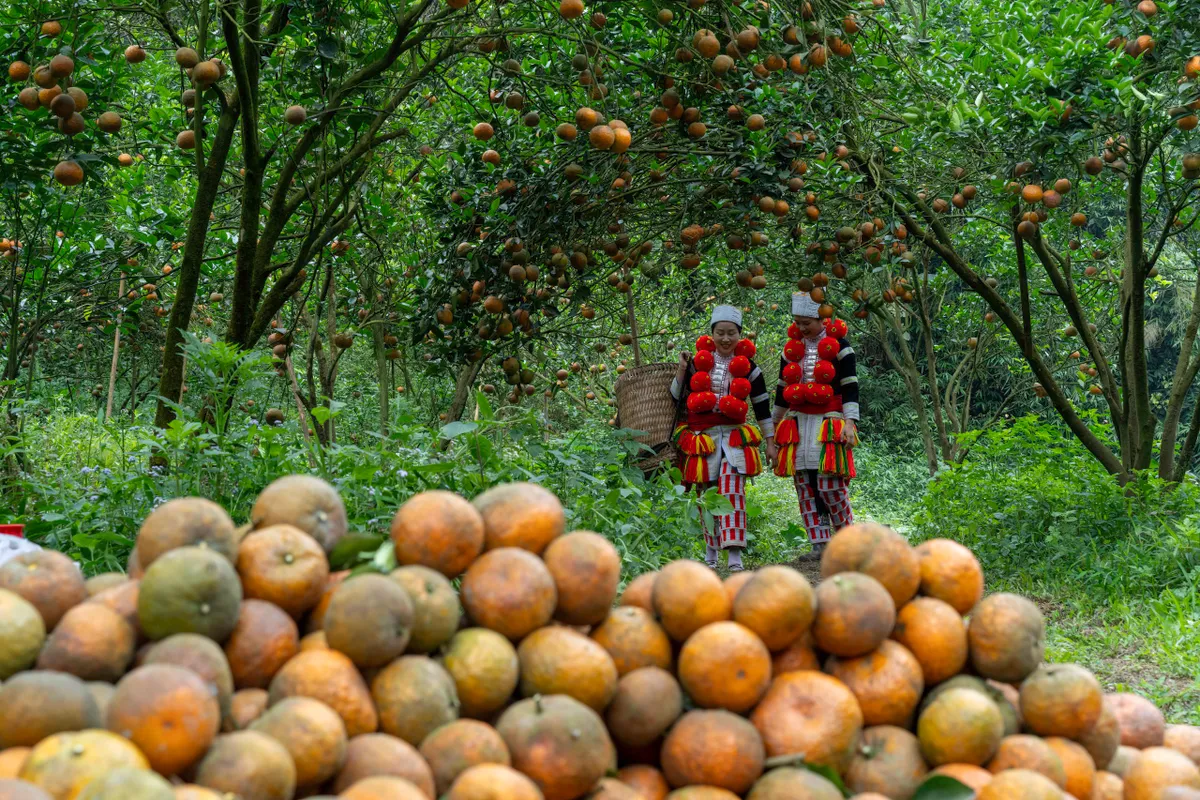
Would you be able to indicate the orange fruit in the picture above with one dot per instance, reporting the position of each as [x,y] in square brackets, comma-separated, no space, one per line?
[384,788]
[810,713]
[777,604]
[63,764]
[35,705]
[878,551]
[886,760]
[1104,738]
[586,570]
[283,565]
[1108,787]
[1185,739]
[510,591]
[647,701]
[485,669]
[249,764]
[50,581]
[1061,700]
[493,782]
[436,610]
[189,590]
[263,640]
[701,793]
[125,782]
[735,582]
[633,639]
[200,655]
[186,522]
[439,530]
[794,783]
[102,693]
[306,502]
[1079,767]
[960,726]
[316,617]
[887,683]
[934,633]
[246,706]
[1153,770]
[104,581]
[313,641]
[558,742]
[457,746]
[1141,723]
[972,776]
[713,748]
[799,656]
[724,665]
[91,642]
[1006,638]
[644,779]
[611,788]
[1122,760]
[311,732]
[169,712]
[855,614]
[1031,753]
[687,596]
[123,599]
[330,677]
[369,619]
[1019,784]
[22,632]
[382,755]
[11,760]
[951,573]
[415,695]
[639,591]
[521,515]
[13,789]
[559,660]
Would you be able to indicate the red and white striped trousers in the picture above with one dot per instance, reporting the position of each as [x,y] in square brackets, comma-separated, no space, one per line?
[730,528]
[831,495]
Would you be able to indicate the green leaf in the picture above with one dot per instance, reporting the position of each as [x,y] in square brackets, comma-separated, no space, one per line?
[346,552]
[457,428]
[942,787]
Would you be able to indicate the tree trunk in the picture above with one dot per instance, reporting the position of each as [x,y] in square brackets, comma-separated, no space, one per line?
[1185,373]
[1189,446]
[633,329]
[381,377]
[906,365]
[1141,421]
[112,372]
[935,391]
[462,388]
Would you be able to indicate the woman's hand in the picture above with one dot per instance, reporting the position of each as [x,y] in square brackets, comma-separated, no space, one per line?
[772,452]
[684,361]
[850,433]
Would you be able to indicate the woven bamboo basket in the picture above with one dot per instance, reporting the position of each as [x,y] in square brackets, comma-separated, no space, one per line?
[644,403]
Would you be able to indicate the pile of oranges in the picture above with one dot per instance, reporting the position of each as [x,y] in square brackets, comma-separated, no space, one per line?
[496,662]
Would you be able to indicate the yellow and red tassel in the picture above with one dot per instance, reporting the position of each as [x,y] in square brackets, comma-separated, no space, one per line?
[748,437]
[837,458]
[697,447]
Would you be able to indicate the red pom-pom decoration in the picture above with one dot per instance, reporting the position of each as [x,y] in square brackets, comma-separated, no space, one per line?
[794,331]
[793,393]
[739,388]
[733,408]
[745,348]
[836,328]
[811,392]
[739,367]
[701,382]
[701,402]
[706,343]
[828,347]
[794,350]
[792,373]
[703,360]
[824,372]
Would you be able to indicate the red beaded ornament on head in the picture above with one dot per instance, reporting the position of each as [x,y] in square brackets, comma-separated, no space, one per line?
[703,400]
[820,388]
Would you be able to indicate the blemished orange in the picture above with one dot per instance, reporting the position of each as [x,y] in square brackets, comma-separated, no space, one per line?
[264,639]
[384,787]
[47,579]
[887,760]
[1185,739]
[436,610]
[415,695]
[37,704]
[951,573]
[330,677]
[734,583]
[169,712]
[438,529]
[1107,786]
[687,596]
[855,614]
[63,764]
[91,642]
[1141,723]
[639,591]
[558,742]
[493,782]
[725,665]
[1156,768]
[878,551]
[1006,638]
[811,713]
[778,604]
[311,732]
[509,590]
[381,754]
[586,570]
[634,639]
[560,660]
[283,565]
[800,655]
[1019,784]
[647,780]
[713,748]
[935,634]
[960,726]
[1061,700]
[247,705]
[248,764]
[887,683]
[646,703]
[1079,767]
[1021,751]
[789,783]
[456,747]
[974,777]
[521,515]
[485,669]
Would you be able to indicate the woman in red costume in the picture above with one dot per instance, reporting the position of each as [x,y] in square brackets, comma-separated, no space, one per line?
[816,420]
[719,389]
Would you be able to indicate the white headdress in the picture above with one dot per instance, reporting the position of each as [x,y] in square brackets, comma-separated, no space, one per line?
[804,306]
[726,314]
